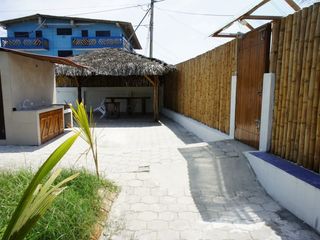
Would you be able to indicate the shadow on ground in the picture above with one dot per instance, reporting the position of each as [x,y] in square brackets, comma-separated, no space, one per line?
[225,189]
[145,121]
[125,120]
[22,149]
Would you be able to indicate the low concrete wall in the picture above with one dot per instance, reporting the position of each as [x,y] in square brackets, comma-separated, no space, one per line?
[204,132]
[24,78]
[295,188]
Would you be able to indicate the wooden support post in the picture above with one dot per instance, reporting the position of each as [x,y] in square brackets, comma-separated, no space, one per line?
[79,90]
[149,80]
[293,5]
[245,23]
[155,84]
[262,17]
[156,98]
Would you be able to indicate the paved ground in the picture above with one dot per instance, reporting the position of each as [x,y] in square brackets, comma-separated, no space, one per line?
[174,186]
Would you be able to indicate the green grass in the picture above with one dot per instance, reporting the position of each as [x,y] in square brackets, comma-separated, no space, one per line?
[72,215]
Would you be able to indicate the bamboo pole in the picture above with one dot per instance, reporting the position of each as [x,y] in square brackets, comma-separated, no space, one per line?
[317,146]
[310,94]
[273,68]
[188,94]
[313,95]
[297,78]
[302,158]
[292,85]
[316,166]
[278,91]
[212,89]
[305,17]
[274,46]
[284,80]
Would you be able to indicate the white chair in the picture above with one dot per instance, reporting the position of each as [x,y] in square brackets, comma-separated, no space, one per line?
[102,109]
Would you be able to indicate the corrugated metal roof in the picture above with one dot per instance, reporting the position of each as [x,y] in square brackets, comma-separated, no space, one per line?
[59,60]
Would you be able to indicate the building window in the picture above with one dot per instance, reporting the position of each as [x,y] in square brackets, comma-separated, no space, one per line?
[38,34]
[21,34]
[84,33]
[64,31]
[103,34]
[65,53]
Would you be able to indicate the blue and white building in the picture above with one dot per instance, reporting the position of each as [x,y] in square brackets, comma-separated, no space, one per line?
[67,36]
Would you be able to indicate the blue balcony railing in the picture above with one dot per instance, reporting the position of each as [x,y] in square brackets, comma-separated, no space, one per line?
[101,42]
[25,43]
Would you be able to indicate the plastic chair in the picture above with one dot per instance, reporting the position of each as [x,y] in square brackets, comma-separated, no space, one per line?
[102,109]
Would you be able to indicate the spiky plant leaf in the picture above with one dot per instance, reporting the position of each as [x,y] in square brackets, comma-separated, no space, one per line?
[43,198]
[28,195]
[38,197]
[86,128]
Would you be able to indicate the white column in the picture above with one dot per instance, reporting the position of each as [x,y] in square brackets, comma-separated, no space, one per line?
[233,106]
[267,111]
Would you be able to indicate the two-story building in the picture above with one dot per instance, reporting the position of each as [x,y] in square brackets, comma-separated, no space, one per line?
[67,36]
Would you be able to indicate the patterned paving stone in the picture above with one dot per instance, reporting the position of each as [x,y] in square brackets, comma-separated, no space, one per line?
[174,186]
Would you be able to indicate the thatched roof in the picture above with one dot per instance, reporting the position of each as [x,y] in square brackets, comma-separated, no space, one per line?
[114,62]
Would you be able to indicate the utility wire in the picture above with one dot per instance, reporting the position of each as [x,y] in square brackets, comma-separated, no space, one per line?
[107,10]
[138,25]
[53,9]
[195,14]
[170,52]
[185,25]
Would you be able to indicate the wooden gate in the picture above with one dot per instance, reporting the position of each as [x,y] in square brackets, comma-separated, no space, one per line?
[253,62]
[2,127]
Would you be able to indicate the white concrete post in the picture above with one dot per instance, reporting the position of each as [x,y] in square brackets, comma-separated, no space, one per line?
[267,111]
[233,106]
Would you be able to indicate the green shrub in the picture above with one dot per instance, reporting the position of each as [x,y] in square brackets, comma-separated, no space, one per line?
[72,214]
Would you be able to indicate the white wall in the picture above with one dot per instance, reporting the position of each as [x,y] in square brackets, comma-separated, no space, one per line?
[93,96]
[67,94]
[267,111]
[299,197]
[24,78]
[202,131]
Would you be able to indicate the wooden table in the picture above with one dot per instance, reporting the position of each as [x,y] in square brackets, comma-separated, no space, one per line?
[128,99]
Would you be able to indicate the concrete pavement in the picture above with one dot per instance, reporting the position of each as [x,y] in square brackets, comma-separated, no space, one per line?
[174,186]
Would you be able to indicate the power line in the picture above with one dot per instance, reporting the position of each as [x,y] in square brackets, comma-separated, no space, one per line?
[195,14]
[185,25]
[139,24]
[53,9]
[107,10]
[166,49]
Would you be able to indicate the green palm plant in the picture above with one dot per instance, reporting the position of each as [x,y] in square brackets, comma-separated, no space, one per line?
[86,130]
[39,196]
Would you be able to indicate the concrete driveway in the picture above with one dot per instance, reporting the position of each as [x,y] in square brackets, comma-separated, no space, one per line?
[174,186]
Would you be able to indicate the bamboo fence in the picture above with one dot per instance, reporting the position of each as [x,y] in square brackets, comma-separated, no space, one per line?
[295,59]
[200,89]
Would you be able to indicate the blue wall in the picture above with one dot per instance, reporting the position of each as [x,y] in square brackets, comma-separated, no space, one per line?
[60,42]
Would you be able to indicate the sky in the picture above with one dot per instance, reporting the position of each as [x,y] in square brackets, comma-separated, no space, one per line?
[181,27]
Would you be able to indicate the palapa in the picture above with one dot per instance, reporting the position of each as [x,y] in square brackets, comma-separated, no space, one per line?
[115,62]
